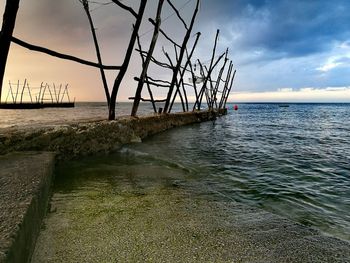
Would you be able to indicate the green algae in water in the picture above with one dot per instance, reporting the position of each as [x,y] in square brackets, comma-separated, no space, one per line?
[124,208]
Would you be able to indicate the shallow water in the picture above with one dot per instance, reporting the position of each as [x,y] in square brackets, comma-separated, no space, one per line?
[139,207]
[292,161]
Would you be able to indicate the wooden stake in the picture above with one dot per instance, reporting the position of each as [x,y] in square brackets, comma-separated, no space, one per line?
[124,67]
[146,61]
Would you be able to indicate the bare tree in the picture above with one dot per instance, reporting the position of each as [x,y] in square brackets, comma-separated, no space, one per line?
[8,25]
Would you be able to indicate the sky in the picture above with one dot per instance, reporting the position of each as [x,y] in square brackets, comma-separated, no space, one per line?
[284,51]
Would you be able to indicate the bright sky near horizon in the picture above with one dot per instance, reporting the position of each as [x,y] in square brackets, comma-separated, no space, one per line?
[297,51]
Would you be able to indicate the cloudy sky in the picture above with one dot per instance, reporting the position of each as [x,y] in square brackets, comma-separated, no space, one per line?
[283,50]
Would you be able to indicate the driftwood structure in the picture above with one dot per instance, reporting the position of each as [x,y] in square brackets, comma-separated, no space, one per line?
[208,87]
[22,96]
[214,90]
[176,83]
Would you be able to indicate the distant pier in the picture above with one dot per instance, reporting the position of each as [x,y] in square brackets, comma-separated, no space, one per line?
[32,106]
[20,96]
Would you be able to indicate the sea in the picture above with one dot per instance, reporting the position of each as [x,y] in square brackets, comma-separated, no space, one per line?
[291,161]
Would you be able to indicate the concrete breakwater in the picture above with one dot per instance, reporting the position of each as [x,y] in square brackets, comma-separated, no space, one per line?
[27,159]
[86,138]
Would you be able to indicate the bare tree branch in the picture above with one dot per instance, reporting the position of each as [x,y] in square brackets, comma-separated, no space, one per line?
[178,14]
[147,100]
[159,80]
[97,48]
[125,7]
[60,55]
[164,34]
[153,83]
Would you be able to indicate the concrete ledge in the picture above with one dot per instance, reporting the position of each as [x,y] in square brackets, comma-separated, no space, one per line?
[25,180]
[73,140]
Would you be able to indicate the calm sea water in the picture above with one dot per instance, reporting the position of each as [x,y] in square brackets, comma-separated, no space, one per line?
[49,117]
[292,161]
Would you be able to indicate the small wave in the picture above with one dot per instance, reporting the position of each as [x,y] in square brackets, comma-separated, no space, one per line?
[156,160]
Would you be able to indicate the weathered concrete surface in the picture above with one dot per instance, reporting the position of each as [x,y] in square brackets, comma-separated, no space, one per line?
[81,139]
[25,180]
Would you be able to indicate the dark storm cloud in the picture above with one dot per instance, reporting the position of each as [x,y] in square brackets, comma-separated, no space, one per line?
[288,28]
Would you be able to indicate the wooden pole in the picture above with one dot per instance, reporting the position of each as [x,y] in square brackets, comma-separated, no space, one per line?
[97,48]
[183,71]
[229,90]
[8,25]
[24,85]
[147,79]
[218,80]
[147,61]
[181,55]
[124,67]
[228,77]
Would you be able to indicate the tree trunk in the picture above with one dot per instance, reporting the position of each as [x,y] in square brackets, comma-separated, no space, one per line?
[8,25]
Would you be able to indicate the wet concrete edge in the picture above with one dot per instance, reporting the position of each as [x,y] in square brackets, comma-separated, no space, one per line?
[28,201]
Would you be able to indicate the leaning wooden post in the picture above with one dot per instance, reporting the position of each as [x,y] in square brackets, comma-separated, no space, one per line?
[8,25]
[229,90]
[217,84]
[181,55]
[182,74]
[148,59]
[24,85]
[124,67]
[176,85]
[228,77]
[147,82]
[204,86]
[211,67]
[97,48]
